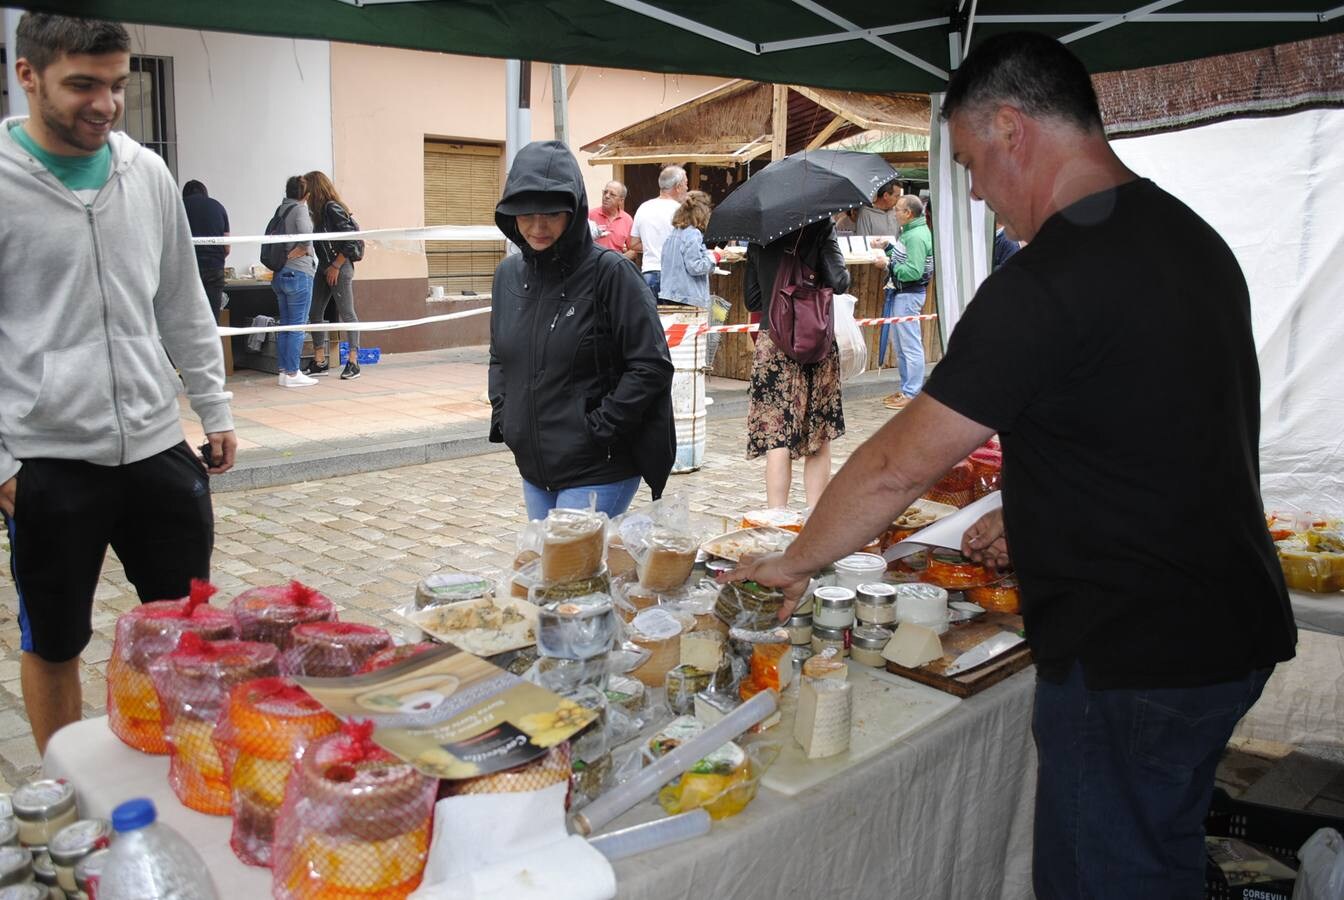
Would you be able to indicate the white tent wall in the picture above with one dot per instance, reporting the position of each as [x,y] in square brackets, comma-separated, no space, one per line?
[1274,189]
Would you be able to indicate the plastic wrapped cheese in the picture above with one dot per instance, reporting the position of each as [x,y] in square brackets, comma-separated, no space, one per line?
[269,613]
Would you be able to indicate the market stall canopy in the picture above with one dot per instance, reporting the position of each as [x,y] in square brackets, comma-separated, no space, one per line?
[845,44]
[732,124]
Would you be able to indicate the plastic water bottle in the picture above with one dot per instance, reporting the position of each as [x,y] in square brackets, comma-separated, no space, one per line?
[150,861]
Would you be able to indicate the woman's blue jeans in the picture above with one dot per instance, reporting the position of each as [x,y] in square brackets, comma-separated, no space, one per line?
[294,295]
[613,498]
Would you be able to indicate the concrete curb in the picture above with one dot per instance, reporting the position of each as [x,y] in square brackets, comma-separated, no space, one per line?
[332,460]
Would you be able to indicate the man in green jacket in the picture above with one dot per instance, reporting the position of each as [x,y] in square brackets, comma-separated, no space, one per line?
[911,266]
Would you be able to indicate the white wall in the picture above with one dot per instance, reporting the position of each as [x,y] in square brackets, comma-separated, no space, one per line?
[251,111]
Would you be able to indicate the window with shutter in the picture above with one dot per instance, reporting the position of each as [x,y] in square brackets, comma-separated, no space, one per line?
[462,184]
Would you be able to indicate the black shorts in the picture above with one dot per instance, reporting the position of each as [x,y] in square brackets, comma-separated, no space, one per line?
[155,514]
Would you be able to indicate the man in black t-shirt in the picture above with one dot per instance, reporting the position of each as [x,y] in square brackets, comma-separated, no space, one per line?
[1127,400]
[208,218]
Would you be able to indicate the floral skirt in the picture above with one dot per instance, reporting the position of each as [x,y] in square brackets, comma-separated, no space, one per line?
[792,404]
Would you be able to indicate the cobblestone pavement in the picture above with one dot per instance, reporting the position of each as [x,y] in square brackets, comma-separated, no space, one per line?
[366,540]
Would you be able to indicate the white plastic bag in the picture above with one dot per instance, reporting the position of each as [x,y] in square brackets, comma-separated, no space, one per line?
[1321,876]
[849,338]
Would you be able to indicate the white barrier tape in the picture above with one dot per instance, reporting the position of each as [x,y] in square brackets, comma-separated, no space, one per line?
[229,330]
[675,333]
[376,235]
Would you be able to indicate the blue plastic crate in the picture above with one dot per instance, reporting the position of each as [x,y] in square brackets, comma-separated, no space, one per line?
[368,356]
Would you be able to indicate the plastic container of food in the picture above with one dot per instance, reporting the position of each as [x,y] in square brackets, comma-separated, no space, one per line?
[875,603]
[833,607]
[799,627]
[824,638]
[867,643]
[42,808]
[859,568]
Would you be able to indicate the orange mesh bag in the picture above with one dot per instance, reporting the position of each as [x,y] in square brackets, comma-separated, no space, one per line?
[269,613]
[267,722]
[1002,596]
[551,768]
[957,487]
[393,655]
[331,649]
[144,634]
[193,684]
[986,471]
[355,822]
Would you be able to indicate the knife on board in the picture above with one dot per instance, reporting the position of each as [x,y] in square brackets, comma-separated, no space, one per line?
[984,651]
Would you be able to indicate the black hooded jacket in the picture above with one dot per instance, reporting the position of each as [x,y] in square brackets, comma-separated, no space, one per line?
[580,373]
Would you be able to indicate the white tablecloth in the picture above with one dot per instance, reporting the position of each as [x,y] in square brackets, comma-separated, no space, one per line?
[1319,612]
[946,813]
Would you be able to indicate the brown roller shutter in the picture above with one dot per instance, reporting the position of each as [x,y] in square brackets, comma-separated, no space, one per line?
[462,184]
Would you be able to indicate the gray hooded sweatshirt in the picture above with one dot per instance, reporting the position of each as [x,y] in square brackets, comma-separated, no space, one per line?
[90,297]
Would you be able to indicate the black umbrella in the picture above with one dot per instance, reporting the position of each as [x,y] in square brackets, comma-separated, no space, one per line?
[796,191]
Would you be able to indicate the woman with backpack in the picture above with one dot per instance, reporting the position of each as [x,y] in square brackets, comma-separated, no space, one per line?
[794,408]
[580,373]
[335,273]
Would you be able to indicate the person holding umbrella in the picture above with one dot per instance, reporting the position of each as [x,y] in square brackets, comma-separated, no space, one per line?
[794,408]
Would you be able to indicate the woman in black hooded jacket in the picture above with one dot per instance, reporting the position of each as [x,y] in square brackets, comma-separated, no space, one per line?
[580,373]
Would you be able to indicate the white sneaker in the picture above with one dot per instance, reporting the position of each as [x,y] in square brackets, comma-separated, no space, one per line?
[298,379]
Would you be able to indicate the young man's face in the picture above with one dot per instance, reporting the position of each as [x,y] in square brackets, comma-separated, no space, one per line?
[76,100]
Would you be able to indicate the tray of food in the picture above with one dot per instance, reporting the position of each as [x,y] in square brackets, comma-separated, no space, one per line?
[748,541]
[483,627]
[923,513]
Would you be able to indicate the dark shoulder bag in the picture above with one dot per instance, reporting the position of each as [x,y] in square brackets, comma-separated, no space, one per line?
[801,317]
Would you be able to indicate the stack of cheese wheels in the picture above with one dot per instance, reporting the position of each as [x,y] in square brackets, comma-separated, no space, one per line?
[659,631]
[269,613]
[574,542]
[193,684]
[667,560]
[267,722]
[143,635]
[355,821]
[332,649]
[552,767]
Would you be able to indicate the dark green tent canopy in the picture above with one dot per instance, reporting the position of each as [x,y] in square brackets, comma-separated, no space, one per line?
[848,44]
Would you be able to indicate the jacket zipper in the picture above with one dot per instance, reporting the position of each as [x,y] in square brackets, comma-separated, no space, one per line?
[532,374]
[107,324]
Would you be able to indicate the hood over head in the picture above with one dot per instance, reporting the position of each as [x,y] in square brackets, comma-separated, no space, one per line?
[545,177]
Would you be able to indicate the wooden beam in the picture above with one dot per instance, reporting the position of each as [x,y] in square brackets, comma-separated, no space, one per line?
[824,135]
[574,78]
[693,176]
[779,122]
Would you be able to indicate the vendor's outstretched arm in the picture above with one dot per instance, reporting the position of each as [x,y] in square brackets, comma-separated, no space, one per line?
[880,480]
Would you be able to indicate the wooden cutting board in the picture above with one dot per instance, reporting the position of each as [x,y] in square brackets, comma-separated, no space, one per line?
[959,639]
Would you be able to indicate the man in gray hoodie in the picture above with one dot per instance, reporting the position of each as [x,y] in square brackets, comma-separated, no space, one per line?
[97,280]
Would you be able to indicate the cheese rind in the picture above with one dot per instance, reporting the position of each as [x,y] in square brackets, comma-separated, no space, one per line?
[912,646]
[702,649]
[822,725]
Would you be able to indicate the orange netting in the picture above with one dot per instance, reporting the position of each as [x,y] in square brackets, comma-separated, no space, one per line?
[269,613]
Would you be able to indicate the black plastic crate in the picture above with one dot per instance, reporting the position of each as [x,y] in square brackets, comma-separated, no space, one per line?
[1280,831]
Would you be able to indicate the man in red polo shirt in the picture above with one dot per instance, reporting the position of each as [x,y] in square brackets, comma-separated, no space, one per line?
[613,222]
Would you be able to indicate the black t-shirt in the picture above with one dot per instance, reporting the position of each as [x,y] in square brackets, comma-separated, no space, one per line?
[1115,359]
[207,218]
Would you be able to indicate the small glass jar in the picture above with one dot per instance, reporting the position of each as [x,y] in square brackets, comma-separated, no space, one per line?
[88,871]
[867,643]
[9,832]
[16,866]
[43,808]
[800,629]
[833,607]
[876,603]
[825,637]
[30,890]
[74,842]
[44,872]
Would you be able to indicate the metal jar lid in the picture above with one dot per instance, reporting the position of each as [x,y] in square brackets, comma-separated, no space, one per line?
[42,800]
[826,633]
[834,597]
[870,637]
[78,839]
[16,865]
[877,593]
[89,868]
[799,620]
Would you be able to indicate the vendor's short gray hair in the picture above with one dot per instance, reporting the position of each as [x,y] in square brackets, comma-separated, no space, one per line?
[671,177]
